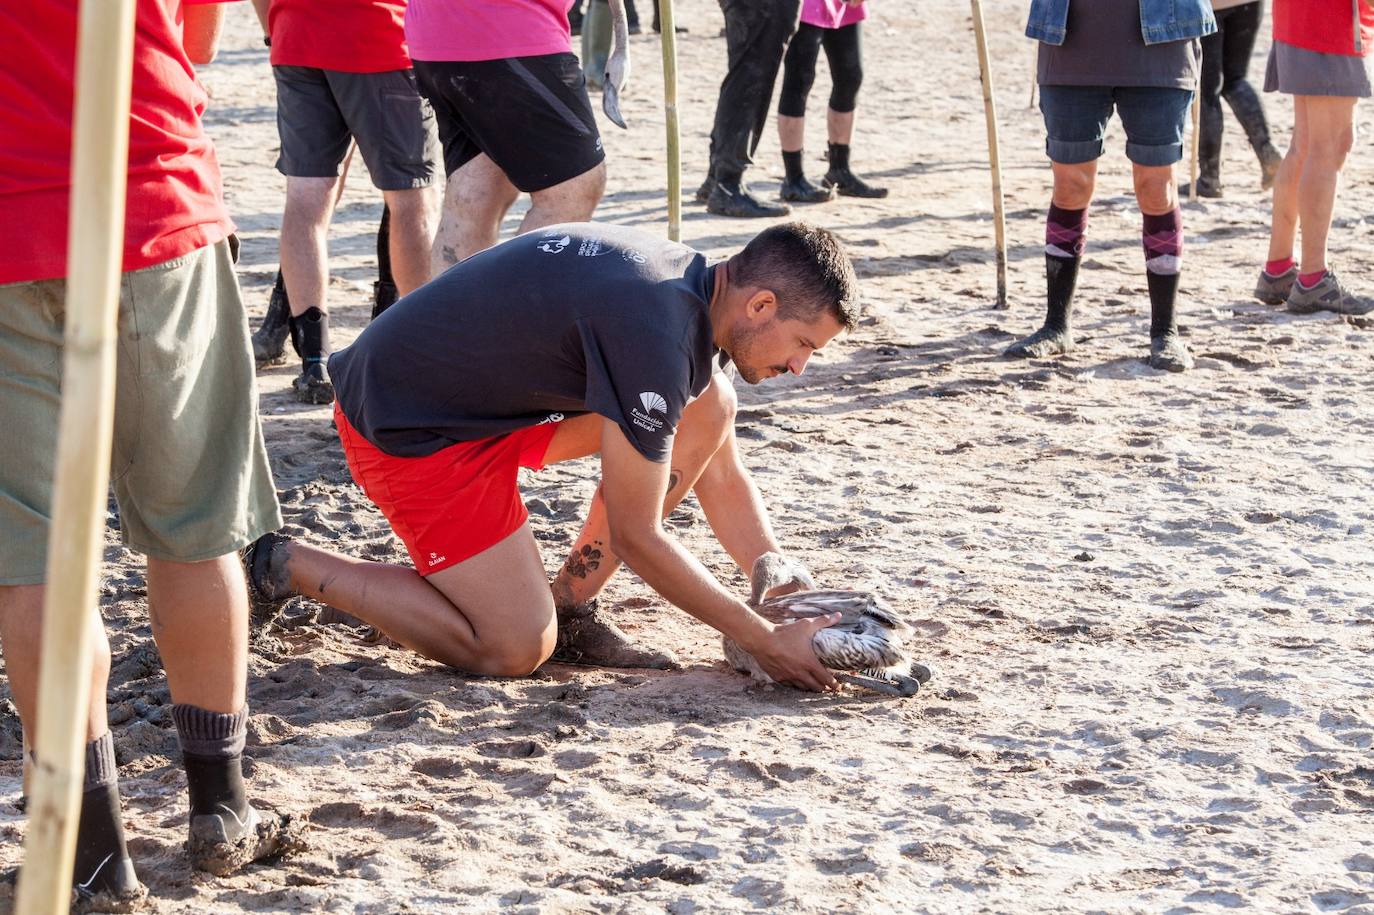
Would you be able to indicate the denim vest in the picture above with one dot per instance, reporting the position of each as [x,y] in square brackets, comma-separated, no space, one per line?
[1160,20]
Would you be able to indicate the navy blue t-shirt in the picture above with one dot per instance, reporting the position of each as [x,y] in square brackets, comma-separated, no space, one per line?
[575,318]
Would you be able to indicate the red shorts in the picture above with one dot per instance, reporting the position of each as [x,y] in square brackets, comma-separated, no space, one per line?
[455,503]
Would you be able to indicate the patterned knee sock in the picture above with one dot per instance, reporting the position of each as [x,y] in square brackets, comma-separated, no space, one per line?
[1163,239]
[1064,230]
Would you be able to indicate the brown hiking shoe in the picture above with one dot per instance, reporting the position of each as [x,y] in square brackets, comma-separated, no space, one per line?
[585,638]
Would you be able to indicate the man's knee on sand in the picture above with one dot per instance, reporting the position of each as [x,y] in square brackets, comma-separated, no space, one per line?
[516,650]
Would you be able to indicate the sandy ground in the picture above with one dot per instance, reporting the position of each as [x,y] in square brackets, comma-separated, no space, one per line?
[1148,596]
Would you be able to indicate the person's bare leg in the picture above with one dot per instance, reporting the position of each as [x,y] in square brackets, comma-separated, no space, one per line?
[475,201]
[574,200]
[414,218]
[491,614]
[705,424]
[199,614]
[1330,136]
[21,639]
[1283,232]
[791,133]
[304,231]
[839,126]
[101,864]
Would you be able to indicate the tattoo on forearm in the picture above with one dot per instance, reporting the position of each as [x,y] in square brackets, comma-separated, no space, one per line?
[584,561]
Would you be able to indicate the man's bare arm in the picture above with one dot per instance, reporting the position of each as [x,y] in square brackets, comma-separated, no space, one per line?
[200,30]
[261,7]
[734,508]
[633,488]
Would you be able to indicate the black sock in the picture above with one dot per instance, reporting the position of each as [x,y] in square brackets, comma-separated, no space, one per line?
[792,162]
[1163,293]
[101,853]
[839,157]
[310,334]
[212,749]
[384,247]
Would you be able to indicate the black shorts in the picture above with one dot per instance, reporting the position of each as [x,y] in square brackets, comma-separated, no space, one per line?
[530,115]
[318,110]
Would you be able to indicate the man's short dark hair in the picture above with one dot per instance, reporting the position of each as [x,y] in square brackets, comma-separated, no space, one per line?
[806,267]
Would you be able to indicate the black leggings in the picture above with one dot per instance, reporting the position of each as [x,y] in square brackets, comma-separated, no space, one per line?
[1225,62]
[842,52]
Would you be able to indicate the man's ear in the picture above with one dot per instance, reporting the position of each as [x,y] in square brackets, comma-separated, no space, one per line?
[762,306]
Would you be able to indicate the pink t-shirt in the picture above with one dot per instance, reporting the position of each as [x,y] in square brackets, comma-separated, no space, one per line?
[486,29]
[832,14]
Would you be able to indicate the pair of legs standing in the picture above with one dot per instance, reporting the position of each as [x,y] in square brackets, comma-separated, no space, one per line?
[320,114]
[510,126]
[184,378]
[1305,198]
[843,54]
[756,36]
[1076,120]
[1225,65]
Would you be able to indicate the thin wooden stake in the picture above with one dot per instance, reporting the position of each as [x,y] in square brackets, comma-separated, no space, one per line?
[95,248]
[668,36]
[999,218]
[1193,156]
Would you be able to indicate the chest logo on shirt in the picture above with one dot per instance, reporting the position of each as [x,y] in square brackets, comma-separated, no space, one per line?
[645,419]
[592,247]
[555,245]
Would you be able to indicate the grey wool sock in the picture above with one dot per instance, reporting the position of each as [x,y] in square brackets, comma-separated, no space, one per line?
[210,735]
[101,768]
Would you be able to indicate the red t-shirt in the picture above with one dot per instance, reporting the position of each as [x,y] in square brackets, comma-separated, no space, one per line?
[175,204]
[351,36]
[1327,26]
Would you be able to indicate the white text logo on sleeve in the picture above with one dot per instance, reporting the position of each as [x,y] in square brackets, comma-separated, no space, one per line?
[644,419]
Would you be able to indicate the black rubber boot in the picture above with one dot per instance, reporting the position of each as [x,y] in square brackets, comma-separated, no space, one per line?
[703,193]
[310,334]
[733,198]
[1055,336]
[269,340]
[803,191]
[795,186]
[844,181]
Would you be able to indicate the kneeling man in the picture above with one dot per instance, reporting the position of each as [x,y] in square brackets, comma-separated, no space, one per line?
[570,341]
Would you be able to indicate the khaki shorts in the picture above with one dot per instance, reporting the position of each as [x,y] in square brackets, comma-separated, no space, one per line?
[188,465]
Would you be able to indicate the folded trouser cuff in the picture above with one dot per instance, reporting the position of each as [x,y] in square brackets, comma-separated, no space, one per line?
[1073,152]
[1154,155]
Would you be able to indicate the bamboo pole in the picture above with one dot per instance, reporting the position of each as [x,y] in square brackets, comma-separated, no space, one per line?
[999,218]
[95,247]
[1196,142]
[668,36]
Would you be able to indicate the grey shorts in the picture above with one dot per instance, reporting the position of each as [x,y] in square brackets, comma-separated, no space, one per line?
[319,110]
[1298,71]
[188,465]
